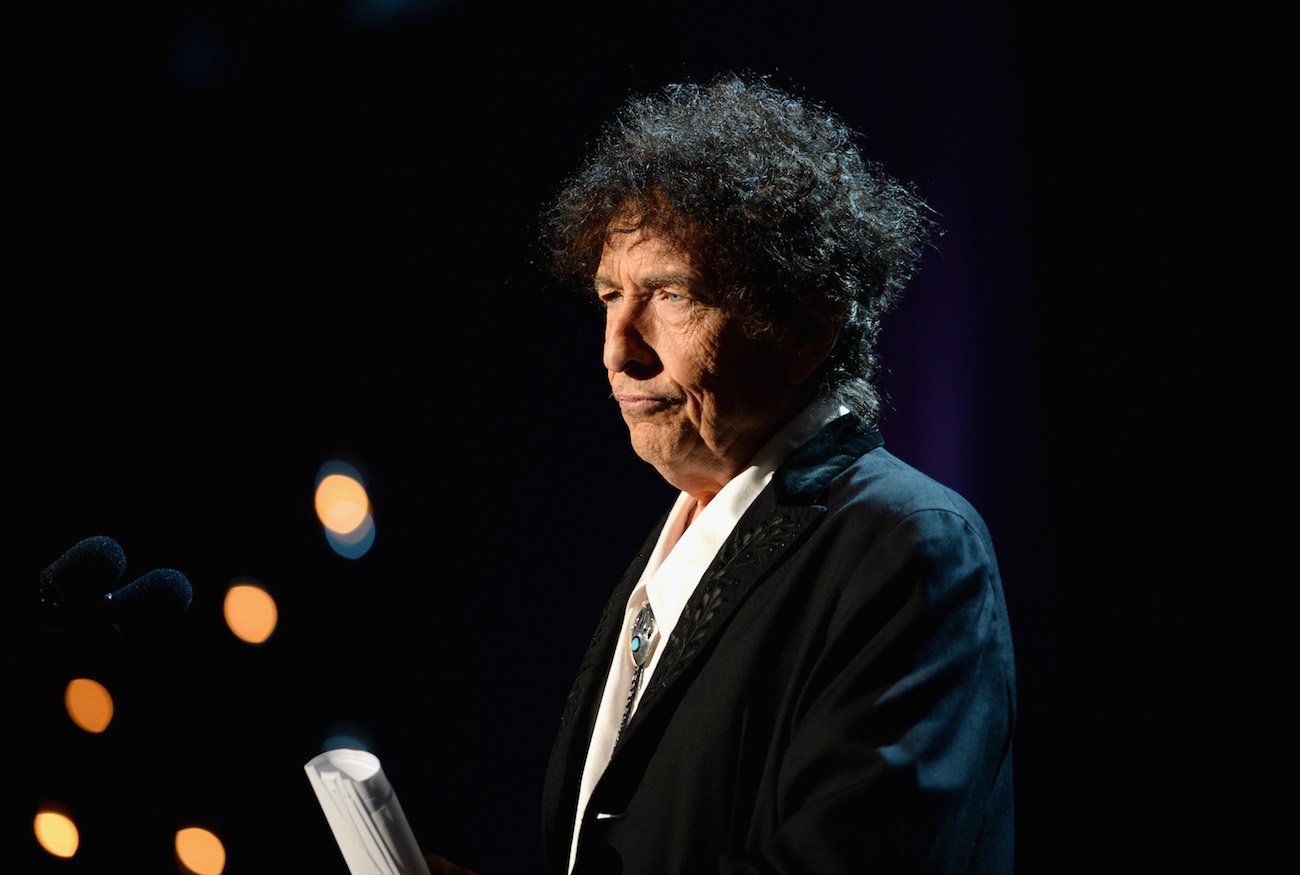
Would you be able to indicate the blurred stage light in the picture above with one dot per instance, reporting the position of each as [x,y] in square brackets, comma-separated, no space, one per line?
[56,833]
[250,612]
[341,501]
[200,852]
[89,704]
[343,507]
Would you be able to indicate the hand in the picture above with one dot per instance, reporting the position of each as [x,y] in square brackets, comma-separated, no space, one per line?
[440,866]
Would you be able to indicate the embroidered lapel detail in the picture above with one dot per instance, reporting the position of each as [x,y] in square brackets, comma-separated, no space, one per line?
[739,564]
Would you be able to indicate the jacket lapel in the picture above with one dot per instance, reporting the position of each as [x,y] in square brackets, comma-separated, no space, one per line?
[760,540]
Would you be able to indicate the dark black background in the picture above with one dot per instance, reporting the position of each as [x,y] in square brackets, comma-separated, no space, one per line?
[251,238]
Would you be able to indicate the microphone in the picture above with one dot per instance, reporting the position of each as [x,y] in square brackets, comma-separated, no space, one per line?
[77,590]
[149,600]
[73,586]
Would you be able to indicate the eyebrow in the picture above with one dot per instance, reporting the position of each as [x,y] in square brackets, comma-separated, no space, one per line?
[655,281]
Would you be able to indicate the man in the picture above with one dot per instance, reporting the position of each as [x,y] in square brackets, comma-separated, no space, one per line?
[808,666]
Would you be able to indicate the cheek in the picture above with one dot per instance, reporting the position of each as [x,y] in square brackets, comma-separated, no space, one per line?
[684,353]
[700,370]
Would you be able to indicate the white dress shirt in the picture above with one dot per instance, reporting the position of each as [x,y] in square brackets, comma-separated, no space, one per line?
[679,560]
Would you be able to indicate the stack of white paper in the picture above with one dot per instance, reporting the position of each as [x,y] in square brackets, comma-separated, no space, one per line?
[364,814]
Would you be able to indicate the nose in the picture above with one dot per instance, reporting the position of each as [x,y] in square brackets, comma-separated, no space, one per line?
[627,348]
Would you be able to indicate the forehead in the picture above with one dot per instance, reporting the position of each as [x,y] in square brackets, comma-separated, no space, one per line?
[635,254]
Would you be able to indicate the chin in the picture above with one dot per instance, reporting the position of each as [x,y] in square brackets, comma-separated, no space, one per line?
[649,455]
[660,444]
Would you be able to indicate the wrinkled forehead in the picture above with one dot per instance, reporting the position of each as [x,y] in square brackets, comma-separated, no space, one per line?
[638,255]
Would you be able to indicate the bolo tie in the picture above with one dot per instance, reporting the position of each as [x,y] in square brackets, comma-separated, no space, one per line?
[640,644]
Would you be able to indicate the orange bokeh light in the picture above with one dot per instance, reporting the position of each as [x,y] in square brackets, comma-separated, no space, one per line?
[56,833]
[89,704]
[341,503]
[199,851]
[250,612]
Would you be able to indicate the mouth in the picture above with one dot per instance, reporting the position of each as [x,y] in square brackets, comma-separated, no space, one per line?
[642,403]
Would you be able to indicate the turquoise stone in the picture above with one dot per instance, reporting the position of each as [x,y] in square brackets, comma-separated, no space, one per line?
[636,643]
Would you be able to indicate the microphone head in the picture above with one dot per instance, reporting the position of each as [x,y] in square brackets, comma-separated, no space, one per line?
[73,587]
[150,599]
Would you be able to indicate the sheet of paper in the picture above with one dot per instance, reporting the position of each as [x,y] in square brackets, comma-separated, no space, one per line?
[364,814]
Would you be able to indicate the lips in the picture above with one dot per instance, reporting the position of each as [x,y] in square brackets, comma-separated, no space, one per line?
[643,402]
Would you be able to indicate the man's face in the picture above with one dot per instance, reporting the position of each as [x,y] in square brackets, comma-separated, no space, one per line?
[698,395]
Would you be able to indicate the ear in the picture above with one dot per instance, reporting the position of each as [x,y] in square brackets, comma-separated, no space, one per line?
[813,332]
